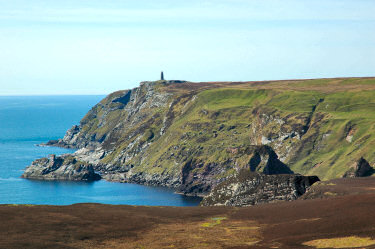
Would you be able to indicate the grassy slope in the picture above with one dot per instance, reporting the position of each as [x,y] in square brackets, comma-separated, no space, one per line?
[343,109]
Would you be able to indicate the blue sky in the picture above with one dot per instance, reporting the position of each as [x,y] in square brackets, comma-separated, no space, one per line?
[96,47]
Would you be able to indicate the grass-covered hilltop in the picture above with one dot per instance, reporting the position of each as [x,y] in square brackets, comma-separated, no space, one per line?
[193,136]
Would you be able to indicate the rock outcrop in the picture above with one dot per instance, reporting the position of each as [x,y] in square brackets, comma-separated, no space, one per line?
[264,159]
[198,177]
[249,188]
[361,168]
[63,167]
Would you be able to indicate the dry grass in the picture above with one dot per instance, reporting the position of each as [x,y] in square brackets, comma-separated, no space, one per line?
[217,233]
[320,85]
[288,225]
[343,242]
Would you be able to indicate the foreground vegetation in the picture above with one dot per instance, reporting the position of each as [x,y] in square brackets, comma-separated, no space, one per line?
[339,221]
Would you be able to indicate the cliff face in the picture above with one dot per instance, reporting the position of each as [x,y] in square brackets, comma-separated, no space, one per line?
[193,136]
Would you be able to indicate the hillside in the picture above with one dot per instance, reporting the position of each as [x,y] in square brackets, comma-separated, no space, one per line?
[192,136]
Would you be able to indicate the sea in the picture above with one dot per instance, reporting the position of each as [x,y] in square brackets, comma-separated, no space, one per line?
[25,122]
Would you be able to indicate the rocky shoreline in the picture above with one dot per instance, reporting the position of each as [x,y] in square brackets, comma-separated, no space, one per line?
[245,188]
[61,168]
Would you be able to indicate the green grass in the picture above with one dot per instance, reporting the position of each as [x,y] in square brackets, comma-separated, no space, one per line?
[357,81]
[213,222]
[292,101]
[218,99]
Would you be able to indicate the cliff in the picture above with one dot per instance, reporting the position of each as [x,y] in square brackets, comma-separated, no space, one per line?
[193,136]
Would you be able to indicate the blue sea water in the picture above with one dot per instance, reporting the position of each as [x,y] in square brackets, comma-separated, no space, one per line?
[26,121]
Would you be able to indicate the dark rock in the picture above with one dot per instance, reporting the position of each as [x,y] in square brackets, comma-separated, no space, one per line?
[361,168]
[265,160]
[189,181]
[66,141]
[123,99]
[231,127]
[249,188]
[64,167]
[175,81]
[198,178]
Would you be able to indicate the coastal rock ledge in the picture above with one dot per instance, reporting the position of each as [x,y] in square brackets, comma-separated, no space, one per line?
[250,188]
[61,168]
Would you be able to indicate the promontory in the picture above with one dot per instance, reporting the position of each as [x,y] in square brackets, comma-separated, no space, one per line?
[196,136]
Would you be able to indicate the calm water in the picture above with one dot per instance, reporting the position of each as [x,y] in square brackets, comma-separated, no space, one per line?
[27,121]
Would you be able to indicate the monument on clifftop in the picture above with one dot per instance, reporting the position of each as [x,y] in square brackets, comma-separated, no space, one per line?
[162,76]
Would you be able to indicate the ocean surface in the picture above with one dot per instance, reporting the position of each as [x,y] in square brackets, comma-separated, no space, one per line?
[26,121]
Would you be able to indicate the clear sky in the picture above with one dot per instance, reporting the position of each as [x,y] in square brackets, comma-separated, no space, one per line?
[99,46]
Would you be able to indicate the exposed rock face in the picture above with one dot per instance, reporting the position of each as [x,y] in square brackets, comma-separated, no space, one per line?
[361,168]
[108,121]
[63,167]
[68,141]
[265,160]
[198,178]
[248,188]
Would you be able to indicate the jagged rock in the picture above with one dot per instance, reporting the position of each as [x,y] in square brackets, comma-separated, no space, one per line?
[249,188]
[64,167]
[265,160]
[68,141]
[361,168]
[124,99]
[198,178]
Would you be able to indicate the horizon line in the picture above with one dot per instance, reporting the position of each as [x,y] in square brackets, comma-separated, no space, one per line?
[50,94]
